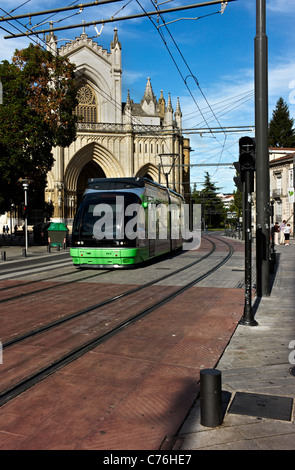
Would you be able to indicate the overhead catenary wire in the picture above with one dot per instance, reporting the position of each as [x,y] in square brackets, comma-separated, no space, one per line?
[118,104]
[182,76]
[95,3]
[55,10]
[106,96]
[189,130]
[120,18]
[221,106]
[109,98]
[21,5]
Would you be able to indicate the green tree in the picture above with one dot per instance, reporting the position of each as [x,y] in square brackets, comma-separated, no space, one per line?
[213,211]
[236,205]
[39,97]
[280,130]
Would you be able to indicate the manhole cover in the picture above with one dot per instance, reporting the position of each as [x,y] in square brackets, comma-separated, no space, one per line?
[263,406]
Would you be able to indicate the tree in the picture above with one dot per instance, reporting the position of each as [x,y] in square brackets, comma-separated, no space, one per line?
[39,97]
[213,211]
[236,205]
[280,131]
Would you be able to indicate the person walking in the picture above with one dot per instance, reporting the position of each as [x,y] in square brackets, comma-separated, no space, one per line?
[287,231]
[276,231]
[282,234]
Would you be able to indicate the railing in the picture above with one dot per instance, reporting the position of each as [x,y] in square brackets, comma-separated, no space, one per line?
[234,232]
[95,127]
[121,128]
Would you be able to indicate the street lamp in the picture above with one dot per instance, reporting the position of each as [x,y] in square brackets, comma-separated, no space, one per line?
[166,164]
[25,182]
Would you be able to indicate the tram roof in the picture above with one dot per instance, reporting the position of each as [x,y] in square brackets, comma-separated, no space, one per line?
[123,183]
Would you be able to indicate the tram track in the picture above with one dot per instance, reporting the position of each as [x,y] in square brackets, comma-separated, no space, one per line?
[96,306]
[44,289]
[55,365]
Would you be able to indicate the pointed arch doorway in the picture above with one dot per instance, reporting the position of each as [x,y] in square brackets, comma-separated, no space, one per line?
[90,170]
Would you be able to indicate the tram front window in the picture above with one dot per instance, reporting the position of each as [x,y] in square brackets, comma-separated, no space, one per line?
[102,217]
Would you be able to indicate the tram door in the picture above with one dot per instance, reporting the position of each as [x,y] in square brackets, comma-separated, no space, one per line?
[152,247]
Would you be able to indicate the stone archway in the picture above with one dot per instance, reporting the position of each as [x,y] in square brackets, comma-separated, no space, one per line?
[148,171]
[91,161]
[90,170]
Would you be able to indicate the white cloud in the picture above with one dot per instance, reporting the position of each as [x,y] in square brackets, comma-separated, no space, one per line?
[8,46]
[281,6]
[281,82]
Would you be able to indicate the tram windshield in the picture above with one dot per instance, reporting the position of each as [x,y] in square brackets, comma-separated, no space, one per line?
[102,216]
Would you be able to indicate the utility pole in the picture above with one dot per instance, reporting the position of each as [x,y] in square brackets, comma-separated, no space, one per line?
[294,198]
[262,157]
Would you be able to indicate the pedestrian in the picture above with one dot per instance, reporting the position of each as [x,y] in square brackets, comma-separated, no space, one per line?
[276,231]
[287,231]
[282,235]
[7,229]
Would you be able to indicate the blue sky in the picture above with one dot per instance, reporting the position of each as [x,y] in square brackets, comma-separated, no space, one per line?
[207,62]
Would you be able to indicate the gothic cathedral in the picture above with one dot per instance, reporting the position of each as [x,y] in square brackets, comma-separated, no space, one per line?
[114,138]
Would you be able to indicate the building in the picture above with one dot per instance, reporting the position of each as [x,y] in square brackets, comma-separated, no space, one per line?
[281,171]
[281,162]
[115,138]
[227,199]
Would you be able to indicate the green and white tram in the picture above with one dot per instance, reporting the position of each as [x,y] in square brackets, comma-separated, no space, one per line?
[122,222]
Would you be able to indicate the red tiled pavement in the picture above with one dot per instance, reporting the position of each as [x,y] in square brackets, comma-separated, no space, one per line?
[132,391]
[43,307]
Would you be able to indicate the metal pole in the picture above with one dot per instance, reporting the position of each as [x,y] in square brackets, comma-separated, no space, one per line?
[26,185]
[262,157]
[248,318]
[294,199]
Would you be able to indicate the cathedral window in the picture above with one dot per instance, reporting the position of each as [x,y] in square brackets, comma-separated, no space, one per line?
[87,104]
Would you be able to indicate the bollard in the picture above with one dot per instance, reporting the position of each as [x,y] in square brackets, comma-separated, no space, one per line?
[210,397]
[3,255]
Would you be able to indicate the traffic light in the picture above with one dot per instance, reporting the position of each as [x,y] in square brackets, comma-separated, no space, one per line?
[247,157]
[24,212]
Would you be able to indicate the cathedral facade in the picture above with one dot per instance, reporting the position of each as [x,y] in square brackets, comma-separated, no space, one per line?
[114,138]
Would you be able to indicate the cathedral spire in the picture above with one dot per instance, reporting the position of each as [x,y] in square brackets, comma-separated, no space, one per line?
[149,94]
[178,110]
[161,106]
[128,110]
[149,102]
[169,104]
[128,101]
[51,41]
[115,41]
[178,114]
